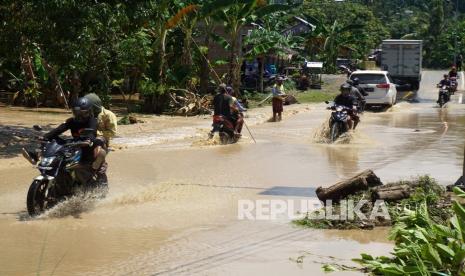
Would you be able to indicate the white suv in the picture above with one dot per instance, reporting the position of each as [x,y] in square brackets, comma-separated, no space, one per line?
[379,85]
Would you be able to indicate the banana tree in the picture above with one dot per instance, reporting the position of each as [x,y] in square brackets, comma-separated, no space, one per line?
[234,18]
[335,37]
[265,41]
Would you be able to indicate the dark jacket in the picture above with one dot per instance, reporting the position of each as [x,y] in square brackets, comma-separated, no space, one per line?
[222,103]
[76,127]
[444,82]
[347,101]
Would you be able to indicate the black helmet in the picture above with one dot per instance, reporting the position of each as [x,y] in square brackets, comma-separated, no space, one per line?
[446,76]
[355,81]
[82,109]
[345,87]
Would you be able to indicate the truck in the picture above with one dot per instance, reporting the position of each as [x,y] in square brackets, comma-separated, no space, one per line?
[403,59]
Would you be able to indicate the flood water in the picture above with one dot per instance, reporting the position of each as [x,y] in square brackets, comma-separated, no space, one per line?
[172,207]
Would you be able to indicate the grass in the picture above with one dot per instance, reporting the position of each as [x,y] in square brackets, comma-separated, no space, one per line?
[309,96]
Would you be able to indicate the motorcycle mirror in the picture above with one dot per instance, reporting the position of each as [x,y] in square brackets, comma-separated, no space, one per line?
[37,127]
[327,102]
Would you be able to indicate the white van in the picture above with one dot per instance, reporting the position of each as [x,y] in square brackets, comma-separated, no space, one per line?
[379,85]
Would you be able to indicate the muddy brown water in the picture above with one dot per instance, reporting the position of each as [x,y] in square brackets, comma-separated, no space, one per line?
[172,207]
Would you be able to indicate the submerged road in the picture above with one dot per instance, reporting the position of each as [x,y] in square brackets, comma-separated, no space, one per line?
[173,210]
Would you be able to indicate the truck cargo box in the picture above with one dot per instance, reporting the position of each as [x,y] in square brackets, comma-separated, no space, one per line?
[403,59]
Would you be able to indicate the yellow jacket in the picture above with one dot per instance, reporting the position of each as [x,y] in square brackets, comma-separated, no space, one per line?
[107,124]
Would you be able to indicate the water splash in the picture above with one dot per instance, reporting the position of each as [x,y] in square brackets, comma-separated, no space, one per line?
[206,141]
[76,205]
[322,135]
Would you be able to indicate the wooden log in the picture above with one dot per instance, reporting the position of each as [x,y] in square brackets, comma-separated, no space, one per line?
[392,192]
[361,182]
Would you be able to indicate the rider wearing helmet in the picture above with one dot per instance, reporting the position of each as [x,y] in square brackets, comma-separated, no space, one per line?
[445,81]
[83,119]
[347,100]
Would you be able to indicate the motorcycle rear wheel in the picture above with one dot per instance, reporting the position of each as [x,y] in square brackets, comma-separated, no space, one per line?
[37,196]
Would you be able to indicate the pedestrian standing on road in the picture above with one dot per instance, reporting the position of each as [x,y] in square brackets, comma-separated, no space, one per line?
[278,99]
[459,62]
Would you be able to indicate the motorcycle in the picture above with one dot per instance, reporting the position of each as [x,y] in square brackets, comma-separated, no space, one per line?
[444,95]
[59,160]
[225,129]
[453,85]
[338,124]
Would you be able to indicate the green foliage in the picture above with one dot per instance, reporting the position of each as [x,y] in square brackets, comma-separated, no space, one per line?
[422,246]
[426,192]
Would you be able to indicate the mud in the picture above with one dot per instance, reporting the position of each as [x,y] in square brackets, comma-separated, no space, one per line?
[172,205]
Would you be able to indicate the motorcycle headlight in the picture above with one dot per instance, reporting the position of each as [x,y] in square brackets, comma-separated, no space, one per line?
[47,161]
[339,108]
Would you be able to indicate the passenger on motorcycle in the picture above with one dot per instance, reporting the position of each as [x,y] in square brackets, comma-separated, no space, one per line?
[224,105]
[106,130]
[453,72]
[347,100]
[237,115]
[358,93]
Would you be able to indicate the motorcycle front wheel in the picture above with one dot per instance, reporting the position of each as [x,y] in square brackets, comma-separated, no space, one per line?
[37,197]
[441,101]
[335,132]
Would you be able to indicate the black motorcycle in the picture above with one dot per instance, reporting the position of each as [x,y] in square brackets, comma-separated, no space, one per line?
[59,161]
[444,96]
[338,124]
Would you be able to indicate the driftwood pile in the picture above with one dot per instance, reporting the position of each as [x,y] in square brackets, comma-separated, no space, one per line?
[368,182]
[361,182]
[186,103]
[365,181]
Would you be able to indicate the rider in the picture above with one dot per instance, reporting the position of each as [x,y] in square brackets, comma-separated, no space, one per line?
[444,82]
[106,130]
[347,100]
[224,105]
[83,118]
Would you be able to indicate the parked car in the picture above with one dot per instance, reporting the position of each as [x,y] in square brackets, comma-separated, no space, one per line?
[379,85]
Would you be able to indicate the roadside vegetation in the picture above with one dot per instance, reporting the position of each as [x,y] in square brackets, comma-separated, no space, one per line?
[423,246]
[51,51]
[428,231]
[424,191]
